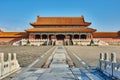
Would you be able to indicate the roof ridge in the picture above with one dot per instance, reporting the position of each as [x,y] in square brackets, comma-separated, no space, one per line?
[61,17]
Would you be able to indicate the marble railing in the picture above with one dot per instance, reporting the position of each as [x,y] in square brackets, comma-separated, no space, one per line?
[109,66]
[88,41]
[8,67]
[37,42]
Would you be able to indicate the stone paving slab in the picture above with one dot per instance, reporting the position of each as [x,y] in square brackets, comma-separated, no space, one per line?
[57,74]
[63,74]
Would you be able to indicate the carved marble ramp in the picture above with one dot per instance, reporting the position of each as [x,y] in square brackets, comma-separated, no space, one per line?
[58,68]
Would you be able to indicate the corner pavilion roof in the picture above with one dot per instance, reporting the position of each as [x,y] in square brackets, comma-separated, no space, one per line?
[13,34]
[86,29]
[66,21]
[106,34]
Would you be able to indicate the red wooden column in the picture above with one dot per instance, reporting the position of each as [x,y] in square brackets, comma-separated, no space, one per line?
[30,36]
[91,36]
[33,36]
[88,36]
[40,36]
[55,37]
[47,36]
[65,36]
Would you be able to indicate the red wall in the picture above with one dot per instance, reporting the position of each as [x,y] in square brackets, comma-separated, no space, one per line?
[9,39]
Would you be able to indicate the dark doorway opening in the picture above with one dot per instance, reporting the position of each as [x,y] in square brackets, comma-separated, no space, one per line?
[37,36]
[44,36]
[83,36]
[76,36]
[60,37]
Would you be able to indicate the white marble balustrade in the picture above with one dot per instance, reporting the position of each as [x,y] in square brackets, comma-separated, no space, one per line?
[8,67]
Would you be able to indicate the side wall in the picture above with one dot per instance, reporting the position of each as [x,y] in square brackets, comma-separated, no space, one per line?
[113,38]
[11,39]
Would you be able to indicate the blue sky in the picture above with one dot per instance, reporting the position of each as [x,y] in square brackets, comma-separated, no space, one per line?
[15,15]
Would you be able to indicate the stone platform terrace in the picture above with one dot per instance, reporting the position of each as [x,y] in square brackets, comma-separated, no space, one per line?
[64,72]
[59,69]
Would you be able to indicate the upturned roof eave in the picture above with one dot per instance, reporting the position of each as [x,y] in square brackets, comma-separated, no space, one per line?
[60,24]
[39,24]
[36,30]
